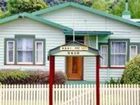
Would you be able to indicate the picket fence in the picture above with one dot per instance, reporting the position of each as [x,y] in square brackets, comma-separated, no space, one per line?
[84,94]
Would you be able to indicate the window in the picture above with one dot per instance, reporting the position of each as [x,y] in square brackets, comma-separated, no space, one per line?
[118,53]
[39,52]
[10,52]
[25,50]
[79,39]
[133,51]
[104,54]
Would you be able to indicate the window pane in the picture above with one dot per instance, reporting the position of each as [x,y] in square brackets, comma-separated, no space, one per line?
[104,54]
[118,59]
[25,44]
[25,50]
[25,56]
[133,51]
[118,53]
[39,52]
[10,52]
[10,45]
[118,47]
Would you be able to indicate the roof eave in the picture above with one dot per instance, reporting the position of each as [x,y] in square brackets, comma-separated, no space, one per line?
[35,18]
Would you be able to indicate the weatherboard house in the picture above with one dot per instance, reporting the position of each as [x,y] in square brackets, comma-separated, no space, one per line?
[27,38]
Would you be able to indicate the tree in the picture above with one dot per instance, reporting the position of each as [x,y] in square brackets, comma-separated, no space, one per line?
[4,13]
[117,7]
[19,6]
[100,5]
[134,6]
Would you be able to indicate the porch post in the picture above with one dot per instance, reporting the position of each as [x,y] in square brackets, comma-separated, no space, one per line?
[51,79]
[97,80]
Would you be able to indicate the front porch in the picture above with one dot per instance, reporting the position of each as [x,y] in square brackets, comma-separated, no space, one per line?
[73,49]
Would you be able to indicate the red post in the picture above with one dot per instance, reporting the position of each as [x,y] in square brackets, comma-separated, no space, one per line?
[97,80]
[51,79]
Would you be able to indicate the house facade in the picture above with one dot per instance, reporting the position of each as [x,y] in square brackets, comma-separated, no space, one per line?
[25,40]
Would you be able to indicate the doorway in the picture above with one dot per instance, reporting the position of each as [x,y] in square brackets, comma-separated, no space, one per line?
[74,67]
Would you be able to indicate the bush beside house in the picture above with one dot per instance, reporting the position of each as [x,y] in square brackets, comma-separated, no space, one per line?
[29,77]
[131,73]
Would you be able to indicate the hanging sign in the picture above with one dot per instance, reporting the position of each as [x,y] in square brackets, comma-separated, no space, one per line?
[73,50]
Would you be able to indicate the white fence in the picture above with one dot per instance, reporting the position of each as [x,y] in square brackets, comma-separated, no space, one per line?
[69,94]
[24,94]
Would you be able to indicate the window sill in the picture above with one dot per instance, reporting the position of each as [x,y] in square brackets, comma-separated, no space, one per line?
[25,64]
[112,67]
[117,67]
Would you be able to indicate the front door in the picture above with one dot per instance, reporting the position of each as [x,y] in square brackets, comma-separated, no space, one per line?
[74,67]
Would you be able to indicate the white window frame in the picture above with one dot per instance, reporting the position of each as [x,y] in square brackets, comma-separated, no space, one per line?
[118,53]
[42,52]
[104,53]
[135,52]
[7,51]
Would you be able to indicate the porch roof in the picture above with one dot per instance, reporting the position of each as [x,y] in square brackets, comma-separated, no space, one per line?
[91,33]
[73,48]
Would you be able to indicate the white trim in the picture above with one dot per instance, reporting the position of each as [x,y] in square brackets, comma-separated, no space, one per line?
[7,50]
[97,41]
[37,50]
[25,63]
[101,46]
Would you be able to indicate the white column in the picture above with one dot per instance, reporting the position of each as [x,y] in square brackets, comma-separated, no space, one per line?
[97,40]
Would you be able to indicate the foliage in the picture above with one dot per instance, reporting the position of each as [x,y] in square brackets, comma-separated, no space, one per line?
[100,5]
[4,14]
[114,81]
[29,77]
[135,8]
[117,8]
[13,76]
[19,6]
[131,74]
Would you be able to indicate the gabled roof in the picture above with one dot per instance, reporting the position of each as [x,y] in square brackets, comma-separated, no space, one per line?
[85,8]
[35,18]
[59,51]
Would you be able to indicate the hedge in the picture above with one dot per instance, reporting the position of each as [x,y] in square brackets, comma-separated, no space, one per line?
[29,77]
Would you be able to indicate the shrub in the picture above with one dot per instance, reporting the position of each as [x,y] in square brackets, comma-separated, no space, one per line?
[60,78]
[114,81]
[131,74]
[29,77]
[13,76]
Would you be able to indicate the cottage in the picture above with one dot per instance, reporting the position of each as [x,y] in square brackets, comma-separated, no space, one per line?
[26,38]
